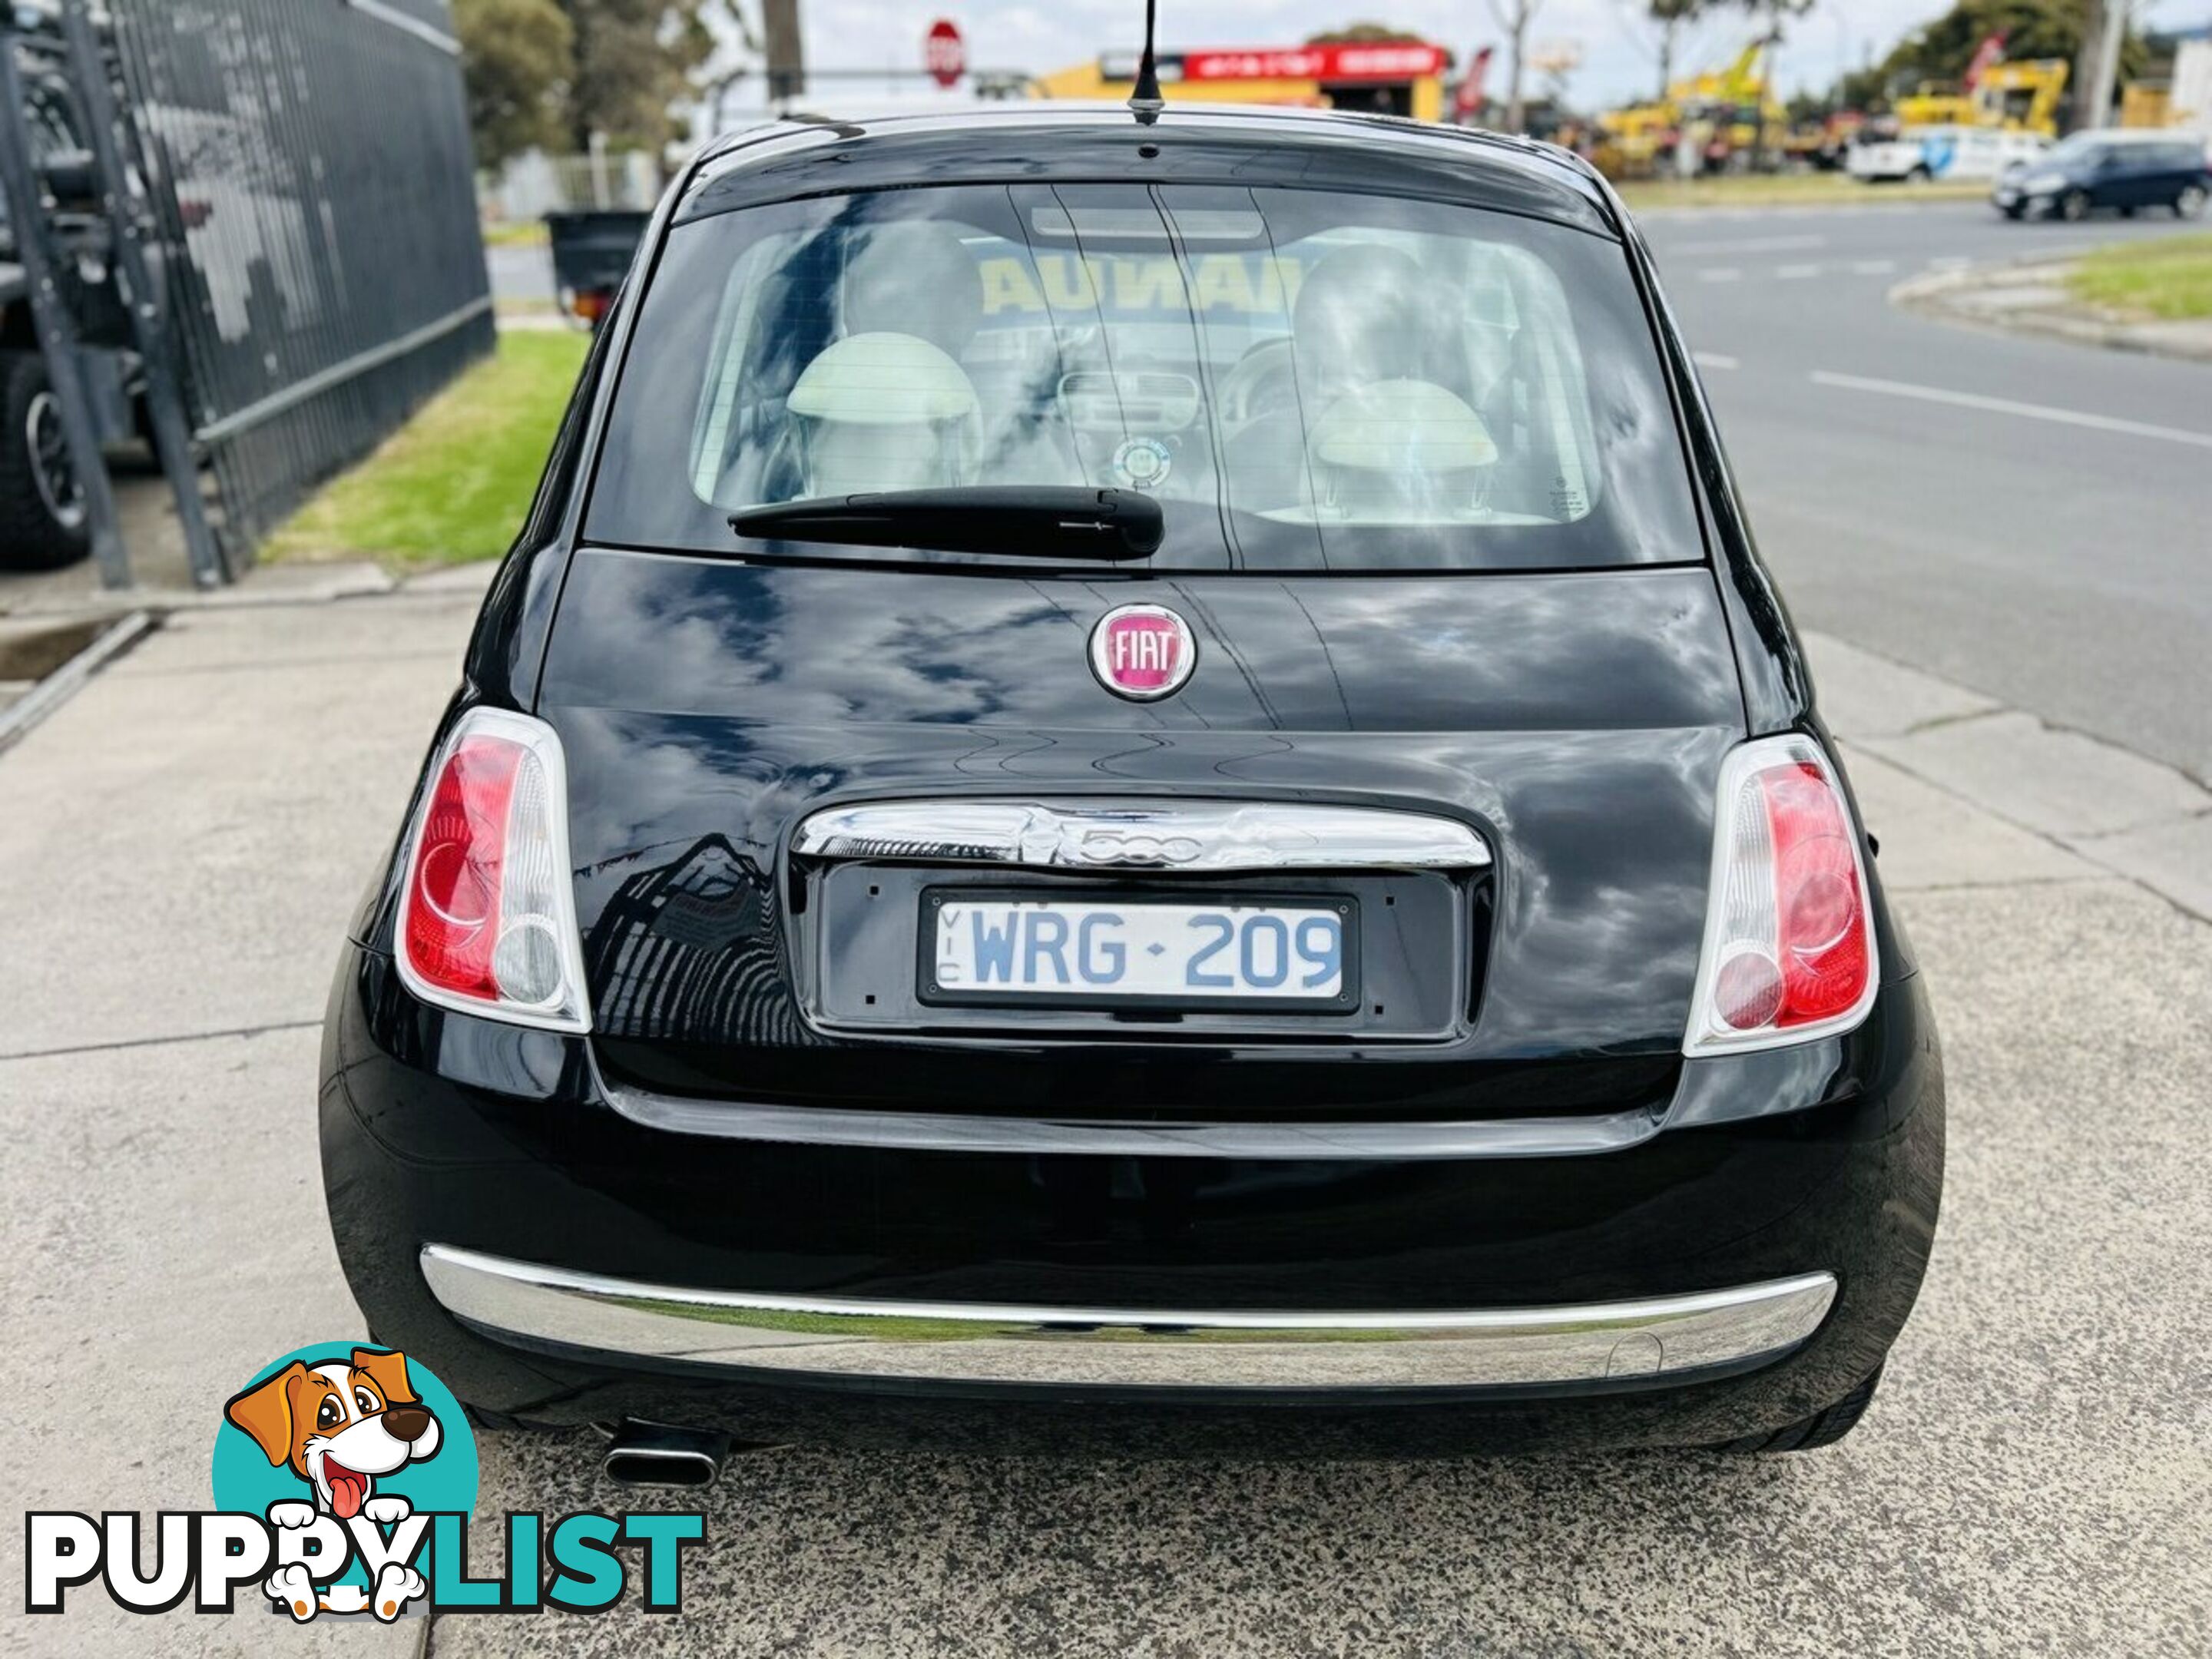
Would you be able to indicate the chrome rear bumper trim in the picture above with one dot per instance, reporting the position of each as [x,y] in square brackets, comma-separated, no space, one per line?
[1620,1342]
[825,1126]
[1142,834]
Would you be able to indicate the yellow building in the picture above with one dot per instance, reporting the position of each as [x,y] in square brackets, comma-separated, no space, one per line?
[1387,78]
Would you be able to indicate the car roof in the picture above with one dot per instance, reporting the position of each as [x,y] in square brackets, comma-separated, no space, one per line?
[1043,141]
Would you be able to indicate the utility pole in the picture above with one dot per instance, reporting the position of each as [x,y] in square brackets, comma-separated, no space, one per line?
[786,51]
[2108,60]
[2103,24]
[1762,87]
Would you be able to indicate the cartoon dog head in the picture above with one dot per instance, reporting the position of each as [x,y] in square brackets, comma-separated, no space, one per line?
[338,1424]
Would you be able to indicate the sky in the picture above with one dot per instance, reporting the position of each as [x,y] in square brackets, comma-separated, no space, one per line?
[1616,47]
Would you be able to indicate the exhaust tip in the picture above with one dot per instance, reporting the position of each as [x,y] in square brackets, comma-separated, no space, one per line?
[664,1455]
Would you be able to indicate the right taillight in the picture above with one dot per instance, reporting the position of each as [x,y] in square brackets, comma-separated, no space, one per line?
[487,919]
[1789,951]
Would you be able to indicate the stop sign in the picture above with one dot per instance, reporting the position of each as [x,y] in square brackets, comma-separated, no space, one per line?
[943,53]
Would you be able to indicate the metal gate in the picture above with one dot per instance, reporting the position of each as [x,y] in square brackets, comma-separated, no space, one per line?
[311,162]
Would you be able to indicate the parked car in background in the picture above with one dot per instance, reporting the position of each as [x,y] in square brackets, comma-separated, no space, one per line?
[1888,154]
[2123,171]
[591,253]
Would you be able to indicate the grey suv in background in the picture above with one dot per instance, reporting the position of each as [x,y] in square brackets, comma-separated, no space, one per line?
[2121,171]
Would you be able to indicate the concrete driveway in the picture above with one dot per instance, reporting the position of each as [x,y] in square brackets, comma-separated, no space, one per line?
[182,844]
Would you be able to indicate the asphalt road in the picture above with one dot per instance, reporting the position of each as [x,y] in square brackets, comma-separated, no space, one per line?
[520,276]
[2051,559]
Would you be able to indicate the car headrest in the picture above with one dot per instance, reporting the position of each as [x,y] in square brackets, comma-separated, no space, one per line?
[913,277]
[1405,427]
[888,412]
[884,380]
[1361,316]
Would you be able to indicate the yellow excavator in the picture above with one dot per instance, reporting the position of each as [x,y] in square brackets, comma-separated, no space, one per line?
[1719,109]
[2021,97]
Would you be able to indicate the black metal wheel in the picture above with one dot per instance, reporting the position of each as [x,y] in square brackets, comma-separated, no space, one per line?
[42,511]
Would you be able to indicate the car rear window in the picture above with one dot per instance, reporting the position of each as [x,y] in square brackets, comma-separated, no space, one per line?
[1305,379]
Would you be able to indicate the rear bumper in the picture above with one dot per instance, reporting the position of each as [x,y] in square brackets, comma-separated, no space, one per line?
[590,1267]
[1624,1343]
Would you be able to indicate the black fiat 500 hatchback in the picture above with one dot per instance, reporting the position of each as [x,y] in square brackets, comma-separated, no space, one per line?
[1136,787]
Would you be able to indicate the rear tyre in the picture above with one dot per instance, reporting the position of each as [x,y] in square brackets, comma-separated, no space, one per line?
[1822,1428]
[2017,210]
[2073,205]
[42,514]
[2190,204]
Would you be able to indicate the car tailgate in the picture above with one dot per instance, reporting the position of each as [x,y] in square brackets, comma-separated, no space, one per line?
[1577,720]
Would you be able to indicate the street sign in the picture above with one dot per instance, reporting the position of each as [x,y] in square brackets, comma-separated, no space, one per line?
[943,53]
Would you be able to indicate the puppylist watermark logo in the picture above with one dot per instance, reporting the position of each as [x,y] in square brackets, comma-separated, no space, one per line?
[344,1480]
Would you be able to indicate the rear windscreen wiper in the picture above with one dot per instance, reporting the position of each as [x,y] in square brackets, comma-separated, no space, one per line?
[1034,521]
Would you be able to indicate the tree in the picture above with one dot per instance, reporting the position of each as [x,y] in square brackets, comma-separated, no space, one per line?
[635,60]
[1670,16]
[554,72]
[1362,35]
[1938,53]
[1773,11]
[517,57]
[1514,16]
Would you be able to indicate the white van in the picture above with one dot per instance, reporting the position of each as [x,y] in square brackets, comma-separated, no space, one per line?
[1941,152]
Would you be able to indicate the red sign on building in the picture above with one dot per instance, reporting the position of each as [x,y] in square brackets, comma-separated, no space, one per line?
[1391,60]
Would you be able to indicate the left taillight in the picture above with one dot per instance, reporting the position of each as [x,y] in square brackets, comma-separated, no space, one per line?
[487,919]
[1789,949]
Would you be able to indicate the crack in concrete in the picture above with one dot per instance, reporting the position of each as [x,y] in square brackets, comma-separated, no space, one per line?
[158,1041]
[1957,717]
[2082,849]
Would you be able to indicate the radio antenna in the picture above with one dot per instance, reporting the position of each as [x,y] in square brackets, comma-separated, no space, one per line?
[1146,102]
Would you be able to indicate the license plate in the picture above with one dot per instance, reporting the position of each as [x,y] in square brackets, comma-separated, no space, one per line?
[991,947]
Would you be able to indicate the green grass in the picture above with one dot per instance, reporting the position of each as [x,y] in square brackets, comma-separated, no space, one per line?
[516,233]
[2169,278]
[452,484]
[1791,190]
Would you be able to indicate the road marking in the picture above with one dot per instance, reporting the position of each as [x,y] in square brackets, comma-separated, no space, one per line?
[1715,360]
[1873,267]
[1747,245]
[1950,262]
[1792,273]
[1720,274]
[2006,406]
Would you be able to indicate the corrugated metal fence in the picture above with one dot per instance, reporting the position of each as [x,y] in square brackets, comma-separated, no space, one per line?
[315,166]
